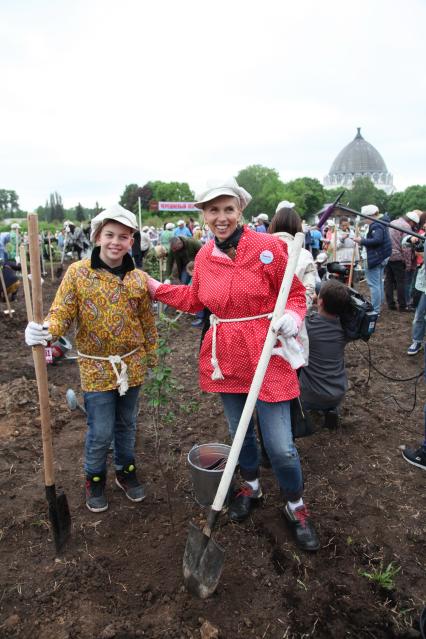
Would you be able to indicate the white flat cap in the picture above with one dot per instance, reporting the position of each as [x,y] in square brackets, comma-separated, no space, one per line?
[115,213]
[216,188]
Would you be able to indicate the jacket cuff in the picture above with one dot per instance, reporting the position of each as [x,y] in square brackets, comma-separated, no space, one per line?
[153,284]
[296,317]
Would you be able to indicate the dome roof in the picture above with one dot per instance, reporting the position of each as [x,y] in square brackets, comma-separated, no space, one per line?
[359,156]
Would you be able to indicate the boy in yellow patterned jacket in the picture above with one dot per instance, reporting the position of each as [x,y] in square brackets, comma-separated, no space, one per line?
[116,341]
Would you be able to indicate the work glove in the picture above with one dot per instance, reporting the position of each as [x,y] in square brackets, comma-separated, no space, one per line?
[30,277]
[285,325]
[36,334]
[291,351]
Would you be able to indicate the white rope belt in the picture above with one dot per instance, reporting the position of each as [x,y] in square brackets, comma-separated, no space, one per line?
[122,379]
[214,322]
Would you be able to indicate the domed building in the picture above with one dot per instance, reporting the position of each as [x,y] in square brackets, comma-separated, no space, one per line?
[358,159]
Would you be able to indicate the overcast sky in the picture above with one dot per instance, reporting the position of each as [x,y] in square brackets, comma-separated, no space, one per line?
[98,94]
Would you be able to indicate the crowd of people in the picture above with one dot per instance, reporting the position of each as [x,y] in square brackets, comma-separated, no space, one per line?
[228,273]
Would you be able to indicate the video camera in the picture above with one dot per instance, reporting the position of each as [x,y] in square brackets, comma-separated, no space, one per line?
[418,245]
[359,320]
[338,271]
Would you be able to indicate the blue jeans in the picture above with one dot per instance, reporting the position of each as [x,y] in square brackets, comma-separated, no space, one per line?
[374,277]
[409,279]
[110,416]
[275,424]
[419,320]
[185,277]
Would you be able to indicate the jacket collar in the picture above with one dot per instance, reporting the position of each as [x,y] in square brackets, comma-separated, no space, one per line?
[126,266]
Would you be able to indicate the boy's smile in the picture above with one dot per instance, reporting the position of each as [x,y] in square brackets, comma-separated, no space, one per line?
[115,240]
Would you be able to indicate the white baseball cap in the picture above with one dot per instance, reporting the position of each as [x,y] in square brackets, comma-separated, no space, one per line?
[115,213]
[263,217]
[180,222]
[285,204]
[169,226]
[370,209]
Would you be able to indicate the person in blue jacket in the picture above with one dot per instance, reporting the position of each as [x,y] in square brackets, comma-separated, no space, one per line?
[379,247]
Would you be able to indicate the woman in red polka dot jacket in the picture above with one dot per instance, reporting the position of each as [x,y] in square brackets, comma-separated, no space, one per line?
[238,277]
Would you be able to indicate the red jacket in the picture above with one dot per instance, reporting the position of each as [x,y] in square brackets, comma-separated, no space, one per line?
[244,287]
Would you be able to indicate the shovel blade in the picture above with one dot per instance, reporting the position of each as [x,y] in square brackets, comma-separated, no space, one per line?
[59,517]
[203,561]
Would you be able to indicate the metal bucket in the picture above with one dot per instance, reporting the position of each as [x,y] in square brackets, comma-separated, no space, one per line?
[206,463]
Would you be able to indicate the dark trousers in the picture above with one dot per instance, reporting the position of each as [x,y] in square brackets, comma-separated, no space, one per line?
[395,278]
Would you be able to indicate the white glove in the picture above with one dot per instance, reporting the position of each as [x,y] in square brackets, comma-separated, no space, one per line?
[291,351]
[36,334]
[286,325]
[167,281]
[41,279]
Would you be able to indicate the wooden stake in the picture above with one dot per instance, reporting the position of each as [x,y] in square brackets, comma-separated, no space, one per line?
[335,244]
[50,257]
[17,246]
[26,283]
[351,272]
[9,310]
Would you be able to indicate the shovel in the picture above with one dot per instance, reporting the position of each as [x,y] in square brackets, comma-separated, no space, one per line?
[203,558]
[72,402]
[59,513]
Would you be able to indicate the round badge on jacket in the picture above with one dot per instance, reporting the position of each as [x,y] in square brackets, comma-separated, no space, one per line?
[266,257]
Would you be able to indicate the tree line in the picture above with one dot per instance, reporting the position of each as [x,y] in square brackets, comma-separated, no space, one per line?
[263,183]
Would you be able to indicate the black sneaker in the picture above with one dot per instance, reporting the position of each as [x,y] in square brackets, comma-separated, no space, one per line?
[127,480]
[303,530]
[415,457]
[242,501]
[96,500]
[331,419]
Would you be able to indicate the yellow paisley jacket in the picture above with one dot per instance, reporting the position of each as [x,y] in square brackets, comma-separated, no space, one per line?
[113,317]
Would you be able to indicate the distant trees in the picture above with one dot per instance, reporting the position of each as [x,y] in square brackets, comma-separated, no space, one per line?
[414,197]
[263,183]
[307,193]
[9,205]
[159,191]
[80,214]
[171,191]
[363,192]
[265,187]
[267,190]
[129,197]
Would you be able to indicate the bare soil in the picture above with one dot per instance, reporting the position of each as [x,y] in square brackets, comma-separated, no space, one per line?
[120,576]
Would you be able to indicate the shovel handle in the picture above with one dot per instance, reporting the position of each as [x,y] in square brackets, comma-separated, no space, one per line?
[26,282]
[259,375]
[38,351]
